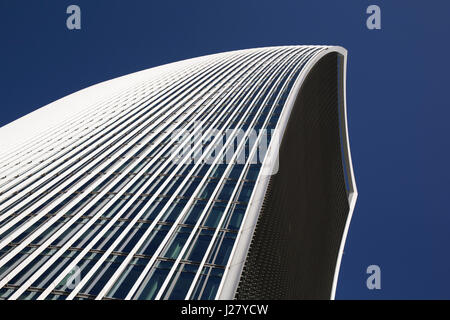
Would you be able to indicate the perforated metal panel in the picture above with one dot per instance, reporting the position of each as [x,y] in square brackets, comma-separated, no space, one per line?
[295,245]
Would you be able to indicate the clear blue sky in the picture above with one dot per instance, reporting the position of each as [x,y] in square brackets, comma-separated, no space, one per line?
[397,101]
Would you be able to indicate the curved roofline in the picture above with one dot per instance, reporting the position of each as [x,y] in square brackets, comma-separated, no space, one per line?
[22,130]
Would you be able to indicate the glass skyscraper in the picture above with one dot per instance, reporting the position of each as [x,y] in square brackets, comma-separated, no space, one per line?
[219,177]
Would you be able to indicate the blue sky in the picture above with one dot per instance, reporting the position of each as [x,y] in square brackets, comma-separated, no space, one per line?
[396,94]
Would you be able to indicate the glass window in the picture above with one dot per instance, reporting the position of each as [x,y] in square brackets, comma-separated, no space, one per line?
[151,189]
[236,171]
[136,208]
[181,282]
[102,275]
[116,207]
[172,186]
[201,171]
[246,191]
[214,215]
[237,215]
[154,209]
[208,189]
[5,293]
[194,212]
[110,235]
[55,269]
[184,169]
[222,248]
[200,244]
[190,186]
[207,284]
[218,170]
[253,171]
[15,260]
[154,239]
[176,244]
[227,189]
[174,210]
[31,268]
[132,238]
[152,283]
[126,280]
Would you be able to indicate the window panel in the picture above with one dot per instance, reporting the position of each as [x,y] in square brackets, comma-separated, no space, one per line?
[154,280]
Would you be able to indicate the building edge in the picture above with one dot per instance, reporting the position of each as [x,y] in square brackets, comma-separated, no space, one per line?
[238,256]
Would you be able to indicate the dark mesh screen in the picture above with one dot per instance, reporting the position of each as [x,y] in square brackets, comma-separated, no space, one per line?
[294,248]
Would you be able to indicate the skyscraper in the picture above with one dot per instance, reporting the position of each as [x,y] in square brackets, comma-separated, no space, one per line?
[225,176]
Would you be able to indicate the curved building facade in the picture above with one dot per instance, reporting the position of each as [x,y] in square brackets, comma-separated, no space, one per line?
[219,177]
